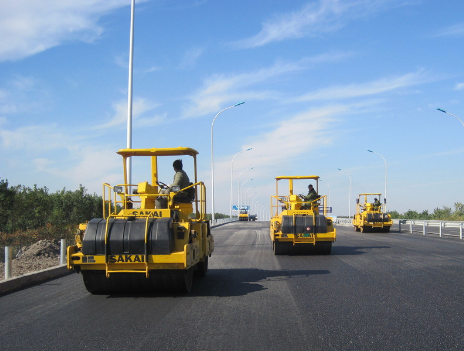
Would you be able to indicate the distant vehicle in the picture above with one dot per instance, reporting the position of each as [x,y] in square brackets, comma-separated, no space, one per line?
[243,216]
[369,216]
[296,222]
[252,217]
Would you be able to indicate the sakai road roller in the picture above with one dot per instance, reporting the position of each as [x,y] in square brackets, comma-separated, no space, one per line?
[143,244]
[243,215]
[299,225]
[370,216]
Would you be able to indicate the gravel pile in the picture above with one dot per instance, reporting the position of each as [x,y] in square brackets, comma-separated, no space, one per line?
[41,255]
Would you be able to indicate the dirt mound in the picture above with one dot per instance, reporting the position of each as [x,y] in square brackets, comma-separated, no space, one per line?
[42,248]
[41,255]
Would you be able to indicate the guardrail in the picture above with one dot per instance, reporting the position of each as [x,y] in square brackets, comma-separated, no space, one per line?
[222,221]
[456,228]
[425,224]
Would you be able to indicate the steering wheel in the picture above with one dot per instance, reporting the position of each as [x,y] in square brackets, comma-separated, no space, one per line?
[162,185]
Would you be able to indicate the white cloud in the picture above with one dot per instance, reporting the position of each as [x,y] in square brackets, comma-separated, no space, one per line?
[294,136]
[370,88]
[313,19]
[459,86]
[92,166]
[455,30]
[140,106]
[20,94]
[28,27]
[191,57]
[220,89]
[35,138]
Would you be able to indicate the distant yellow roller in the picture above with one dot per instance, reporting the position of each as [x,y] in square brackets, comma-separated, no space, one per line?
[299,222]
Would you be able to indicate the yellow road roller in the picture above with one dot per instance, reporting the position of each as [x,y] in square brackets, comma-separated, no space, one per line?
[300,223]
[152,237]
[243,215]
[370,216]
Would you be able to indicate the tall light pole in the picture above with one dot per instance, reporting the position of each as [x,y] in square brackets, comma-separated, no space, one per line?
[439,109]
[252,200]
[238,186]
[247,196]
[212,159]
[385,197]
[231,177]
[129,95]
[349,194]
[242,187]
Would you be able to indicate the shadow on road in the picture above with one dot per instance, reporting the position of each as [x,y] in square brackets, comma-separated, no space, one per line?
[354,250]
[232,282]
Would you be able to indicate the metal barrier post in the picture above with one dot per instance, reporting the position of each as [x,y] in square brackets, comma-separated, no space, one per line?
[424,225]
[460,230]
[399,225]
[63,252]
[440,229]
[7,262]
[410,226]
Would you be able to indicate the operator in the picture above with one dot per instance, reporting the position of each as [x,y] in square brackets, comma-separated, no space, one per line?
[377,204]
[180,178]
[312,195]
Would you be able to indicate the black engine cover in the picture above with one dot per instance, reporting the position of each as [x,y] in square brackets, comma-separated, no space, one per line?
[128,237]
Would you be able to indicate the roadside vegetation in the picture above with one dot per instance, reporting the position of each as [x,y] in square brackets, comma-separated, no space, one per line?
[32,214]
[444,214]
[29,215]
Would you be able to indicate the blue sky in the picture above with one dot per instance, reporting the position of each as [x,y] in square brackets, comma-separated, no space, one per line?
[323,82]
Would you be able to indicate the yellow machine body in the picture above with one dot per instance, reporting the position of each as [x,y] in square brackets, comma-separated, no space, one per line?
[243,215]
[298,224]
[371,218]
[137,247]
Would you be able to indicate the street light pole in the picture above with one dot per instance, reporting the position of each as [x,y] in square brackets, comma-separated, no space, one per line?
[242,188]
[349,194]
[385,197]
[129,95]
[212,160]
[238,186]
[439,109]
[231,177]
[247,196]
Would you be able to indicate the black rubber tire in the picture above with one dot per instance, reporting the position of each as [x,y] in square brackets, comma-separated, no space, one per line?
[201,268]
[178,281]
[323,247]
[281,248]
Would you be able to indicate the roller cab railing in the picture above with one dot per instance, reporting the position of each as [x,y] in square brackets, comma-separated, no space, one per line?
[119,203]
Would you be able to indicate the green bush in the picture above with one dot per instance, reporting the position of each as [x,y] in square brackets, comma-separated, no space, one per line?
[31,214]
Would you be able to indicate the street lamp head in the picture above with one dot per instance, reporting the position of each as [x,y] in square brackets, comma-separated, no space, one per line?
[240,103]
[249,149]
[370,150]
[439,109]
[339,169]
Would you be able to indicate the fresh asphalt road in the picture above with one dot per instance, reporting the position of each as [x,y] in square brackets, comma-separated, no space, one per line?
[394,291]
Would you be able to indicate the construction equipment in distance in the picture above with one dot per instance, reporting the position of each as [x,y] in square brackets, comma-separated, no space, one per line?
[297,225]
[138,246]
[370,216]
[243,215]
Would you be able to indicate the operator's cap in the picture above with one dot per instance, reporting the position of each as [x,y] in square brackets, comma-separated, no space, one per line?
[310,186]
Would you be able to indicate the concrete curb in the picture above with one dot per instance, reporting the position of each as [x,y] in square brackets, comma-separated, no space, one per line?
[26,280]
